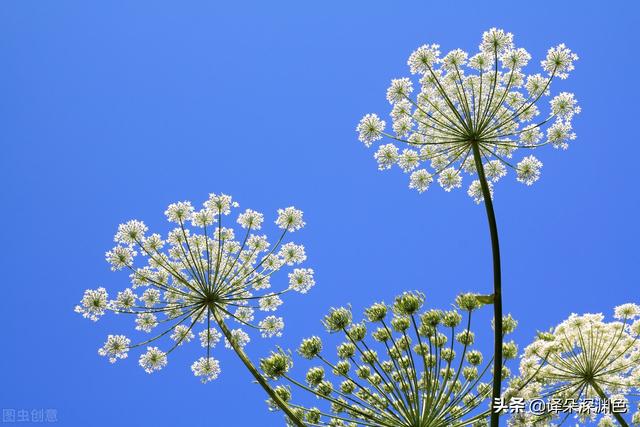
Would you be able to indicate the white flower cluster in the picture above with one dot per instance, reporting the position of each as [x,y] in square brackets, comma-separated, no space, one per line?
[584,357]
[204,276]
[470,111]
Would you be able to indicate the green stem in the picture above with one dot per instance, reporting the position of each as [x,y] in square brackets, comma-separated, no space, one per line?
[256,374]
[603,396]
[497,282]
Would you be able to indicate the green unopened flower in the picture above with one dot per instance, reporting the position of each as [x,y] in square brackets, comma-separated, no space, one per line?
[400,324]
[432,317]
[315,376]
[394,375]
[338,319]
[276,365]
[381,334]
[357,332]
[341,368]
[283,392]
[346,350]
[465,337]
[451,318]
[310,347]
[468,302]
[509,350]
[509,324]
[376,312]
[408,303]
[474,357]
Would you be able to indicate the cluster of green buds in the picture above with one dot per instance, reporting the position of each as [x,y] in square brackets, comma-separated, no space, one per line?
[400,366]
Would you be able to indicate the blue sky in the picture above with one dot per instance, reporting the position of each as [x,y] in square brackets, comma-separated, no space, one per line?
[113,110]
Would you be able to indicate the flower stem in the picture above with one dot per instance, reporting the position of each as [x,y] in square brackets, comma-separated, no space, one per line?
[497,283]
[603,396]
[256,374]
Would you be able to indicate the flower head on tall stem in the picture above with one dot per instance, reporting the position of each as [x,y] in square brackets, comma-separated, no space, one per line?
[460,100]
[473,114]
[401,366]
[584,358]
[204,273]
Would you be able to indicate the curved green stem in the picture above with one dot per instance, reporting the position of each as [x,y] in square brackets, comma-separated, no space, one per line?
[604,397]
[256,374]
[497,282]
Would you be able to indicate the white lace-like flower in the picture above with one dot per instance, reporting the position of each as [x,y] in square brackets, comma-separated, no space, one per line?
[125,301]
[150,297]
[178,212]
[469,110]
[271,326]
[209,337]
[220,204]
[559,61]
[370,129]
[153,360]
[251,219]
[301,280]
[291,254]
[515,59]
[290,219]
[207,368]
[238,337]
[120,257]
[208,275]
[528,170]
[399,90]
[386,156]
[182,334]
[496,41]
[408,160]
[130,232]
[475,191]
[450,178]
[202,218]
[115,348]
[626,311]
[270,302]
[584,357]
[495,170]
[420,180]
[565,105]
[146,322]
[244,314]
[94,304]
[423,58]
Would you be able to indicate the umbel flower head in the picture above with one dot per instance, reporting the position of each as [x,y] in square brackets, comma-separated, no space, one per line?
[469,110]
[401,366]
[196,278]
[583,361]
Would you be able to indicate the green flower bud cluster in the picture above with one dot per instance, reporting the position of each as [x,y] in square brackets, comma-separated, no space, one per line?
[401,361]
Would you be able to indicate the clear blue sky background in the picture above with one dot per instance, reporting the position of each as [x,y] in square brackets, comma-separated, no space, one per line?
[112,110]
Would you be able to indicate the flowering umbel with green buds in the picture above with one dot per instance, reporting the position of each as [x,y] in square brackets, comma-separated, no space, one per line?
[199,278]
[475,114]
[402,366]
[582,360]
